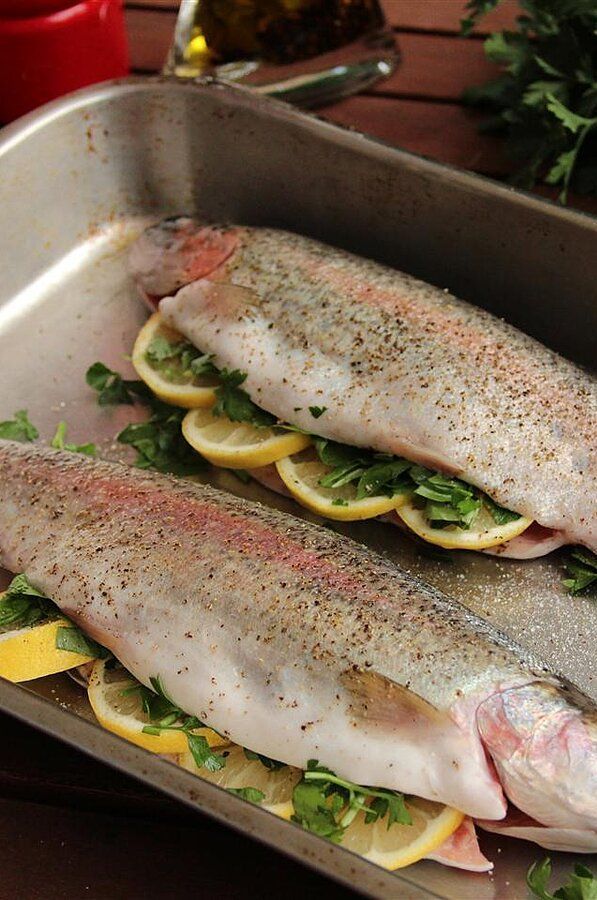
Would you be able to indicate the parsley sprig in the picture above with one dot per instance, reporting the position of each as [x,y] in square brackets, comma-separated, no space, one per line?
[545,102]
[581,884]
[326,804]
[581,569]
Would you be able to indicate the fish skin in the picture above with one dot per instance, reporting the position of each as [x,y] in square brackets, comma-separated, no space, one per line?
[402,367]
[258,623]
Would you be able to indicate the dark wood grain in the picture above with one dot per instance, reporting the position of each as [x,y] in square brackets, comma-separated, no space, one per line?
[442,131]
[419,15]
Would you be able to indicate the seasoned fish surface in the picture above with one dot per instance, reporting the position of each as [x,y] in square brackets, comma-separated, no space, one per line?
[295,641]
[401,366]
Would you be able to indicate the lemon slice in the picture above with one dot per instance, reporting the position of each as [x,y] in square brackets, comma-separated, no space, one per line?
[172,384]
[240,772]
[402,845]
[239,445]
[484,531]
[31,652]
[301,474]
[121,711]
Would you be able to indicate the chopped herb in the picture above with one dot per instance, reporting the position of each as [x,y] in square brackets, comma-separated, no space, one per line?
[19,428]
[326,804]
[178,360]
[581,568]
[112,388]
[317,411]
[500,514]
[232,401]
[59,442]
[72,639]
[253,795]
[339,501]
[581,884]
[264,760]
[446,501]
[160,444]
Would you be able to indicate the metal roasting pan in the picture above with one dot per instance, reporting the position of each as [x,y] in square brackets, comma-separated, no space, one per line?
[82,176]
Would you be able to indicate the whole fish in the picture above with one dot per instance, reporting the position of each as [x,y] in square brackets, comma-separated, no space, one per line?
[400,366]
[297,642]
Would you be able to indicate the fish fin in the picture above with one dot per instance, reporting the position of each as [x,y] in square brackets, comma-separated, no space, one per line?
[210,301]
[380,700]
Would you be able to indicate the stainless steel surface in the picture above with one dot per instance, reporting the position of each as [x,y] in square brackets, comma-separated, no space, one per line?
[78,182]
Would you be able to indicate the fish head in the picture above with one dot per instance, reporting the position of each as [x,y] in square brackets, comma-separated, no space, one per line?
[176,252]
[543,741]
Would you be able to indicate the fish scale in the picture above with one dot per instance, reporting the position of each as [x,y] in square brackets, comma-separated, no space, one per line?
[401,366]
[287,637]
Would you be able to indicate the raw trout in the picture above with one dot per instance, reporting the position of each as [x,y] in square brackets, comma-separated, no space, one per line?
[400,366]
[297,642]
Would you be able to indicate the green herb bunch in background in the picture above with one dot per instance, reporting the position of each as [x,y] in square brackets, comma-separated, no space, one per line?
[545,103]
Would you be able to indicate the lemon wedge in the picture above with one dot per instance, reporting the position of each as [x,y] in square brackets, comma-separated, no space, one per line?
[27,653]
[118,707]
[301,474]
[483,533]
[276,785]
[239,445]
[168,380]
[402,845]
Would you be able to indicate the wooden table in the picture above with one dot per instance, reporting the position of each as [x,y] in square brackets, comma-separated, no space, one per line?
[71,828]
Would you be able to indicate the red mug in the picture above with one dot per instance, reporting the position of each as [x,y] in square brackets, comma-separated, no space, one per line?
[51,47]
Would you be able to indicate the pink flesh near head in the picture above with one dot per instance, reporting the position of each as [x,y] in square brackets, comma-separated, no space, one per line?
[177,252]
[545,753]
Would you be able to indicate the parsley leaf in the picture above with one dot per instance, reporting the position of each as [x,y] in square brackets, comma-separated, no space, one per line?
[581,884]
[253,795]
[59,442]
[317,411]
[112,388]
[71,638]
[19,428]
[234,402]
[160,444]
[203,754]
[270,764]
[581,568]
[22,605]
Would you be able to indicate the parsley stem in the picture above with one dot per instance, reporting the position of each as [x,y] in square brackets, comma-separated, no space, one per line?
[348,785]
